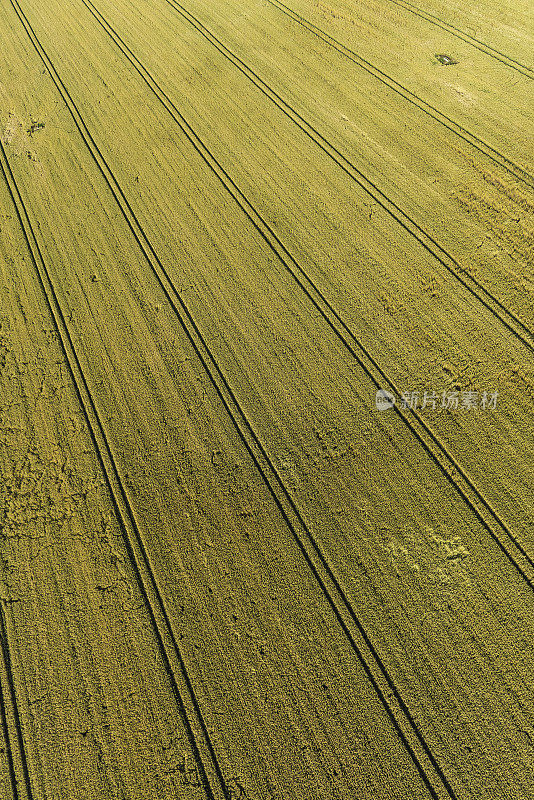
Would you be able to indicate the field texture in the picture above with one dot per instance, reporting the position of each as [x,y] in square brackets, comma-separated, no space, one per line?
[227,571]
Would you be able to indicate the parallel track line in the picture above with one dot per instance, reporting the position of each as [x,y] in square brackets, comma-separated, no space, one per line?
[398,712]
[337,598]
[131,532]
[483,147]
[9,706]
[407,729]
[423,237]
[525,70]
[434,447]
[180,681]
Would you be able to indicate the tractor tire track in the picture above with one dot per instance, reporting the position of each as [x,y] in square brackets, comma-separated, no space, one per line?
[384,685]
[471,139]
[528,72]
[424,239]
[16,756]
[187,702]
[440,455]
[387,692]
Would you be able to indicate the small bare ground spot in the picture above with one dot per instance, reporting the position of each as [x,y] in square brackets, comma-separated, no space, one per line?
[445,59]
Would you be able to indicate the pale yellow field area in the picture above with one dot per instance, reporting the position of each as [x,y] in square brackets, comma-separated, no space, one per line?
[227,572]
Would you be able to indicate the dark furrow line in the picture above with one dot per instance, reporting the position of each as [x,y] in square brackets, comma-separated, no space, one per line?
[452,469]
[335,595]
[154,603]
[7,739]
[171,293]
[8,699]
[483,147]
[113,785]
[89,411]
[425,239]
[525,70]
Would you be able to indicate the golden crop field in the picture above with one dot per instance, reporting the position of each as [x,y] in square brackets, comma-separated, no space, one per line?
[266,400]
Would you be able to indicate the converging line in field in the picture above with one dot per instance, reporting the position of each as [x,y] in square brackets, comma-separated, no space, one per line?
[424,239]
[186,700]
[400,715]
[470,138]
[401,718]
[484,47]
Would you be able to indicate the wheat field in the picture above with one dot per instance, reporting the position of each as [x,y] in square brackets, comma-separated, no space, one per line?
[266,390]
